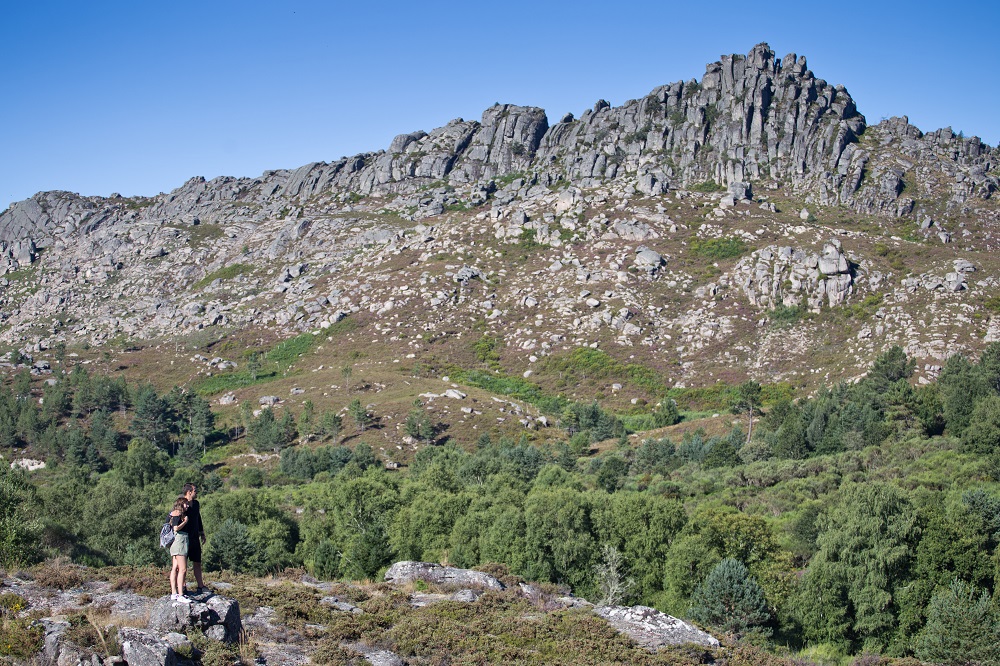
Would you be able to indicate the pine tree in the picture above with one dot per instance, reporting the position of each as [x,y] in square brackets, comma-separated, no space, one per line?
[747,401]
[962,628]
[231,548]
[731,599]
[360,415]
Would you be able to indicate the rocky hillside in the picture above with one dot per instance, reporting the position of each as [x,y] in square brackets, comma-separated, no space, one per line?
[423,613]
[749,224]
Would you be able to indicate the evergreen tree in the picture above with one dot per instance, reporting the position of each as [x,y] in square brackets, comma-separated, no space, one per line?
[360,415]
[730,599]
[307,419]
[330,425]
[982,436]
[666,414]
[230,548]
[326,561]
[960,387]
[747,401]
[20,528]
[150,420]
[418,424]
[866,545]
[889,368]
[962,628]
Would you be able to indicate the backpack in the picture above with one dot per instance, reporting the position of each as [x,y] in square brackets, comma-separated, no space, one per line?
[166,534]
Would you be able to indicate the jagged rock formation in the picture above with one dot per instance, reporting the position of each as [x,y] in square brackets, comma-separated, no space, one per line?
[751,119]
[609,203]
[785,275]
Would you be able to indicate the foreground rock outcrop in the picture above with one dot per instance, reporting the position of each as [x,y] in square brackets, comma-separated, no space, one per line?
[648,627]
[216,616]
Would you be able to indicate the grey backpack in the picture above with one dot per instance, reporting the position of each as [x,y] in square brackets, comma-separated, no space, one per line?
[166,534]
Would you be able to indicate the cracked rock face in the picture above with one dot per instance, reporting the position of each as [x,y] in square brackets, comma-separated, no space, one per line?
[791,276]
[218,617]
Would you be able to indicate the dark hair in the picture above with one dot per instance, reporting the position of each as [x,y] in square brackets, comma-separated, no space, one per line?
[181,504]
[188,487]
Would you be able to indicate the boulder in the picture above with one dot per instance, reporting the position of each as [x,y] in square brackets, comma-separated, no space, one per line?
[218,617]
[143,648]
[408,571]
[647,260]
[652,629]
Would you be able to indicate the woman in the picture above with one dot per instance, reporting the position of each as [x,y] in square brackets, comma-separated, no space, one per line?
[179,550]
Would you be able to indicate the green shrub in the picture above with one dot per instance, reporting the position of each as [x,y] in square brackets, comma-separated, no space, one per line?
[514,387]
[707,187]
[19,639]
[718,248]
[225,273]
[786,315]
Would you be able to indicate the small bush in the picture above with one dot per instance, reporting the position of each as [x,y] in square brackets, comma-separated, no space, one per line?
[707,187]
[331,653]
[18,638]
[145,581]
[59,574]
[89,632]
[225,273]
[718,248]
[787,315]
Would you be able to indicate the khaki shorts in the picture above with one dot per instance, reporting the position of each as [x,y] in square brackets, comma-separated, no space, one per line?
[180,544]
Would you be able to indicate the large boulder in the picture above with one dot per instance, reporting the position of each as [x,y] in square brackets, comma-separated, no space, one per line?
[143,648]
[652,629]
[407,572]
[217,617]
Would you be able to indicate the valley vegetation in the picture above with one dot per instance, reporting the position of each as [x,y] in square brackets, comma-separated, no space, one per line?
[865,519]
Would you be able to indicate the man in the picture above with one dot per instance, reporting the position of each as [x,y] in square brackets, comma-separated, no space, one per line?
[197,532]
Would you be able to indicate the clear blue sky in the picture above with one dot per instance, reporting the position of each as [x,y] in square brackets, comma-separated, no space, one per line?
[136,97]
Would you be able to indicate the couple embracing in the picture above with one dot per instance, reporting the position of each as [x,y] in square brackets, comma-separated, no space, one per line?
[189,537]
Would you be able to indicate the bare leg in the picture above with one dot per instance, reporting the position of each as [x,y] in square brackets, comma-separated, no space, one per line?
[196,566]
[181,573]
[176,575]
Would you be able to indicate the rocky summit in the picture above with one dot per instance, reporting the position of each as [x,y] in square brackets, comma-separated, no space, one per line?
[747,224]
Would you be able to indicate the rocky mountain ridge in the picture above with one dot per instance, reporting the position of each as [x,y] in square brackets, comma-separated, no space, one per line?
[605,214]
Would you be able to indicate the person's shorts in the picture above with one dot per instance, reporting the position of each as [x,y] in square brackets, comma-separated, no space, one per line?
[180,544]
[194,549]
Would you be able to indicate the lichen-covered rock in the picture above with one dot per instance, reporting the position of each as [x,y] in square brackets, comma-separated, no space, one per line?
[218,617]
[652,629]
[144,648]
[407,572]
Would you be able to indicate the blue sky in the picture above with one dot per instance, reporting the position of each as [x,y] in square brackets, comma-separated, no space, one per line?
[137,97]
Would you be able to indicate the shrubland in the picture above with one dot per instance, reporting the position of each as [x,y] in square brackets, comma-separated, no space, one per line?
[861,520]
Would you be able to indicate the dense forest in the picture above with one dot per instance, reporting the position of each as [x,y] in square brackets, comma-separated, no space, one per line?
[863,519]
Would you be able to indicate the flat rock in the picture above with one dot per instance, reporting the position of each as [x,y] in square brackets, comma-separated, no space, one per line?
[409,571]
[652,629]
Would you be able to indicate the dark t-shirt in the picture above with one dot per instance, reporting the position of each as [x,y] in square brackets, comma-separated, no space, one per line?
[177,520]
[194,519]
